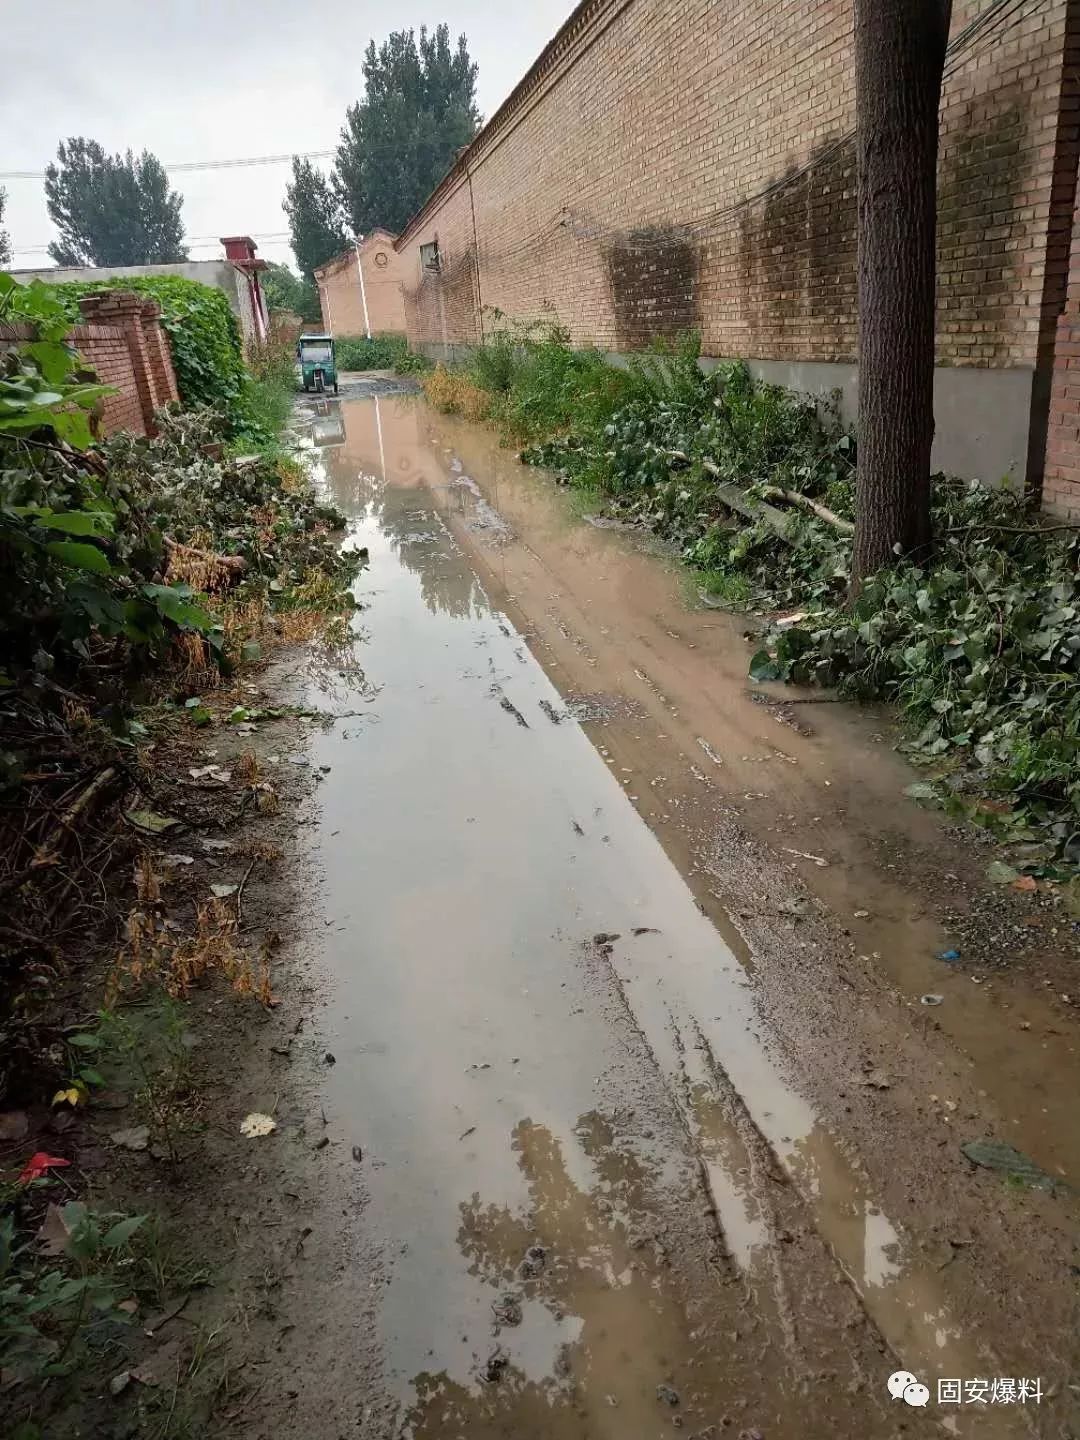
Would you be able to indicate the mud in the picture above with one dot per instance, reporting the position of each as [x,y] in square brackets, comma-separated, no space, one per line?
[649,1128]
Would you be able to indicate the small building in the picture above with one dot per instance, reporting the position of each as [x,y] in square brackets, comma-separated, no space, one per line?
[236,276]
[360,289]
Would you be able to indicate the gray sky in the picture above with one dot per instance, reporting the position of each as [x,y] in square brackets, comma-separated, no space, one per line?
[218,79]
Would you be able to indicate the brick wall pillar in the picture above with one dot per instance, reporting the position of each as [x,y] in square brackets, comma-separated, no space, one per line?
[157,346]
[1061,475]
[124,309]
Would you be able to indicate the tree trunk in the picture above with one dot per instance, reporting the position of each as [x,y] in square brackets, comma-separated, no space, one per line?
[899,58]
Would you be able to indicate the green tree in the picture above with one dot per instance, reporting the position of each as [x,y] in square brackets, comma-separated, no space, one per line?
[112,209]
[5,238]
[286,291]
[418,110]
[315,222]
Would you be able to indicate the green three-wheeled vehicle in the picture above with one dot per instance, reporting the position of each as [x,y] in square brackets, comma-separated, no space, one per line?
[318,367]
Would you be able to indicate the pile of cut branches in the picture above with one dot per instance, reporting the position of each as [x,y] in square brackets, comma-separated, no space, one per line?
[131,569]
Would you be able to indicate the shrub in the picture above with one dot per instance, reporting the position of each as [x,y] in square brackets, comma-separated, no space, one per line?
[381,352]
[267,396]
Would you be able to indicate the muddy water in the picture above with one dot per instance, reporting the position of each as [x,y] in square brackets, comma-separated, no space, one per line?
[599,1199]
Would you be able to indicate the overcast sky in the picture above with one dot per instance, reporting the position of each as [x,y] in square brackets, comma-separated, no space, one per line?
[218,80]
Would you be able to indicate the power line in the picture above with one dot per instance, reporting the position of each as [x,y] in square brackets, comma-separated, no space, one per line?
[186,166]
[198,241]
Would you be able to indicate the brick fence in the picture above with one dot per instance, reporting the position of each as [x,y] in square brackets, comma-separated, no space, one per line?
[122,340]
[663,168]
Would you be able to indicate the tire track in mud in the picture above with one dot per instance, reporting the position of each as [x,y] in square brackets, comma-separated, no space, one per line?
[766,1291]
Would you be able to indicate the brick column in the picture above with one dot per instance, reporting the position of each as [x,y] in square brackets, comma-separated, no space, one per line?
[124,309]
[157,345]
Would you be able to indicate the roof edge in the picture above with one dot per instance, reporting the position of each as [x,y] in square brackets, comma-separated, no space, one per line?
[349,252]
[557,47]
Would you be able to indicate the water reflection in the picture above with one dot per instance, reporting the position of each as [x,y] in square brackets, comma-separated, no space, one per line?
[392,499]
[602,1313]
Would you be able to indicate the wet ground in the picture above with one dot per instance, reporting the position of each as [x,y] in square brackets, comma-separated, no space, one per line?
[651,1128]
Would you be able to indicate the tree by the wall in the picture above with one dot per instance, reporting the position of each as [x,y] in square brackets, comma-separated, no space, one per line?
[899,59]
[285,291]
[112,209]
[5,238]
[419,108]
[315,223]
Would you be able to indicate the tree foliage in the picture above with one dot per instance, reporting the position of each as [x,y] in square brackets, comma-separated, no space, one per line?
[287,291]
[5,238]
[419,108]
[112,209]
[315,222]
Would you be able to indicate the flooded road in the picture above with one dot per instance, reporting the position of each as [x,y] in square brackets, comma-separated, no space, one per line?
[601,1194]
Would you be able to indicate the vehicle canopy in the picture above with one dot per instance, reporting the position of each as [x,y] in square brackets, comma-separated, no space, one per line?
[316,347]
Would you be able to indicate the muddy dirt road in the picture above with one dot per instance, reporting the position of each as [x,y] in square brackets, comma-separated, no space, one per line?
[649,1127]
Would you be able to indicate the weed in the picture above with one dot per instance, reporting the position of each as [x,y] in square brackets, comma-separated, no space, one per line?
[453,392]
[48,1305]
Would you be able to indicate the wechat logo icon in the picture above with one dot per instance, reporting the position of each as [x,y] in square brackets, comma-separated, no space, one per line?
[905,1386]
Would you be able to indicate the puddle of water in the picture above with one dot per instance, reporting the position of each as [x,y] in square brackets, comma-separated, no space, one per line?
[472,849]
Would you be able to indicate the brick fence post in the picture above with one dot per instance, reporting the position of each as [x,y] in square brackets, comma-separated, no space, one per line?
[157,346]
[124,309]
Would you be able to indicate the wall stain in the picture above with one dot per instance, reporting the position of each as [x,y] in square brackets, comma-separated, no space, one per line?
[654,286]
[979,180]
[796,261]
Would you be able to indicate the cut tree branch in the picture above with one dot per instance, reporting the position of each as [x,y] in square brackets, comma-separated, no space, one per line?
[795,497]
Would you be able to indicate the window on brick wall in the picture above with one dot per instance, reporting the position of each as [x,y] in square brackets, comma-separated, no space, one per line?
[429,257]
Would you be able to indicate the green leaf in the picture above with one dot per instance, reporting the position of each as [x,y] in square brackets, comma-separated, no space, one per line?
[85,1042]
[763,667]
[76,522]
[122,1231]
[173,603]
[921,790]
[55,361]
[80,557]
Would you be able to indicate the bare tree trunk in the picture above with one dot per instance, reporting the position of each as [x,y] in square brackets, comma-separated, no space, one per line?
[899,58]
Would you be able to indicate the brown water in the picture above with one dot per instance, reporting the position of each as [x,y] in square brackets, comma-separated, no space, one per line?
[590,1167]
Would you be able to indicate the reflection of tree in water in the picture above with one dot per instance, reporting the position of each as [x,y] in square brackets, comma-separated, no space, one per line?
[406,515]
[606,1263]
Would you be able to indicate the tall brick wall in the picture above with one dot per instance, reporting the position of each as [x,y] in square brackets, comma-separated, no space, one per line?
[123,343]
[691,166]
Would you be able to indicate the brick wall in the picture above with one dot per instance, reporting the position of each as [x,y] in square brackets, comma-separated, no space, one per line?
[120,318]
[122,342]
[106,350]
[691,166]
[339,289]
